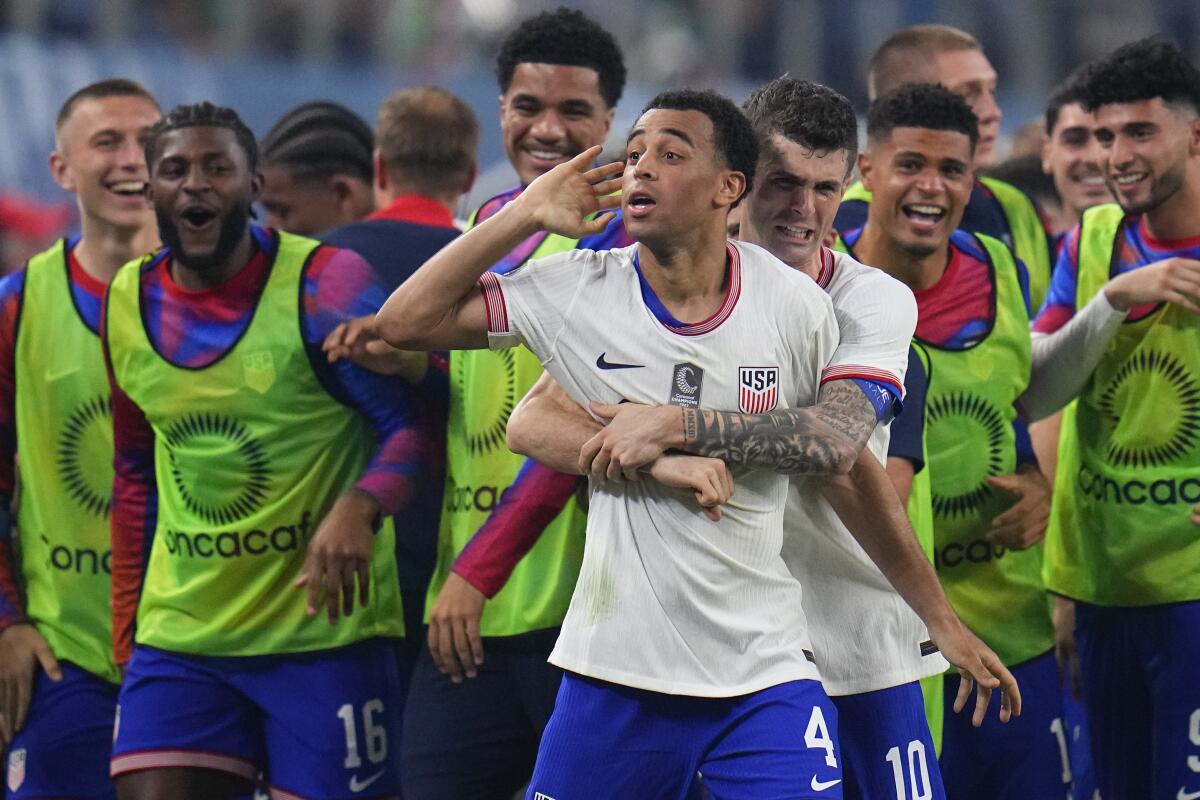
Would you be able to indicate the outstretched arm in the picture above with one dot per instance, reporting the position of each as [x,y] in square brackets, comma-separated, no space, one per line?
[824,439]
[441,306]
[868,506]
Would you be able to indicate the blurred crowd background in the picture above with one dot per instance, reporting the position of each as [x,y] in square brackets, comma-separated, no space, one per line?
[263,57]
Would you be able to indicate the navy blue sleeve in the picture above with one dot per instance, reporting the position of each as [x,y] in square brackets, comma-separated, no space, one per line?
[1023,279]
[908,429]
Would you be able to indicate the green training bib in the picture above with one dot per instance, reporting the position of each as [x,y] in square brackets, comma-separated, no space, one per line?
[250,453]
[485,386]
[1129,456]
[969,413]
[65,456]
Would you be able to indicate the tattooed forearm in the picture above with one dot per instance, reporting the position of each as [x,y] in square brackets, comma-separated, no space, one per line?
[824,439]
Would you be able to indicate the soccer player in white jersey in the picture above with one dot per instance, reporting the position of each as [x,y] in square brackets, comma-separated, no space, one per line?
[685,643]
[870,645]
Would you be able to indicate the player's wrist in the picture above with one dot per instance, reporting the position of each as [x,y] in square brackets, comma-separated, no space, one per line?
[672,423]
[363,505]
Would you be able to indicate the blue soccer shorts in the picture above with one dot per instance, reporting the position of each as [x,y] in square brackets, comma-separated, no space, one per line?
[64,748]
[315,725]
[610,741]
[1022,759]
[1142,696]
[887,747]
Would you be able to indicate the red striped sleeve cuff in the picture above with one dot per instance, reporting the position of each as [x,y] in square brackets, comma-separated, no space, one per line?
[493,300]
[844,372]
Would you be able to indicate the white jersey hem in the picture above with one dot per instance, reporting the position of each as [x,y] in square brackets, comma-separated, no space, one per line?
[785,674]
[932,664]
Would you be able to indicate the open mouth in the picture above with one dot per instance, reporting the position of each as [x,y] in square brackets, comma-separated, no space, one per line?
[797,233]
[127,188]
[197,217]
[640,203]
[1130,179]
[924,215]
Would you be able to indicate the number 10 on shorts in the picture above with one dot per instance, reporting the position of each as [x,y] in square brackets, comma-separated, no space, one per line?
[374,734]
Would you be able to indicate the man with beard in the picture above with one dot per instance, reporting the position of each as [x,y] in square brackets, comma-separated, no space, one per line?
[973,333]
[249,474]
[1122,540]
[955,59]
[58,682]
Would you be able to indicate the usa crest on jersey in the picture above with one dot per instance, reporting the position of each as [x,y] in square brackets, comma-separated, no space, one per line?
[758,389]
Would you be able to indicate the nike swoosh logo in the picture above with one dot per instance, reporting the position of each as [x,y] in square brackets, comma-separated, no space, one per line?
[820,786]
[1185,795]
[357,786]
[602,364]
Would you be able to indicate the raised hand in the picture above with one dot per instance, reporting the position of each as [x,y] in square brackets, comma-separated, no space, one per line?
[1172,280]
[562,200]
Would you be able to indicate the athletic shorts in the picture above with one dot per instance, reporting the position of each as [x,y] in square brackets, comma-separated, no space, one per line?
[477,740]
[324,724]
[1142,696]
[886,743]
[1022,759]
[610,741]
[64,748]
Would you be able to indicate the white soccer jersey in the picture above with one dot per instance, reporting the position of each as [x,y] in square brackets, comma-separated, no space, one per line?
[864,635]
[668,600]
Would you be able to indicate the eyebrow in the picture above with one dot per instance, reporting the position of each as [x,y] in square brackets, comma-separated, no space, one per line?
[636,132]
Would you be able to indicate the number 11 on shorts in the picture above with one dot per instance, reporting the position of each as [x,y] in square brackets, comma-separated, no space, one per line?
[374,734]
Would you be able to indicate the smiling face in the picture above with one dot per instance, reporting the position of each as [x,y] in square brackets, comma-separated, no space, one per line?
[793,203]
[202,186]
[969,75]
[920,181]
[100,158]
[550,114]
[1145,148]
[675,182]
[1071,156]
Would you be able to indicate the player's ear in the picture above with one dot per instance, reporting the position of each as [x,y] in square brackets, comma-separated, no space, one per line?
[733,186]
[381,176]
[256,184]
[864,169]
[1194,136]
[59,171]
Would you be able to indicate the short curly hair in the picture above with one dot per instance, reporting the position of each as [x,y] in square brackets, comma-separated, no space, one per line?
[921,105]
[567,38]
[807,113]
[202,115]
[733,135]
[320,139]
[1142,70]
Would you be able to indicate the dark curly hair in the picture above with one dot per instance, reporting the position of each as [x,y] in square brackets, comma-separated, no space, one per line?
[202,115]
[1072,90]
[809,114]
[1143,70]
[733,135]
[320,139]
[921,105]
[568,38]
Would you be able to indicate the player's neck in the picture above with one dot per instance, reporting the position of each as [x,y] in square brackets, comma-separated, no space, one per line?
[1178,217]
[201,279]
[918,272]
[103,247]
[689,276]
